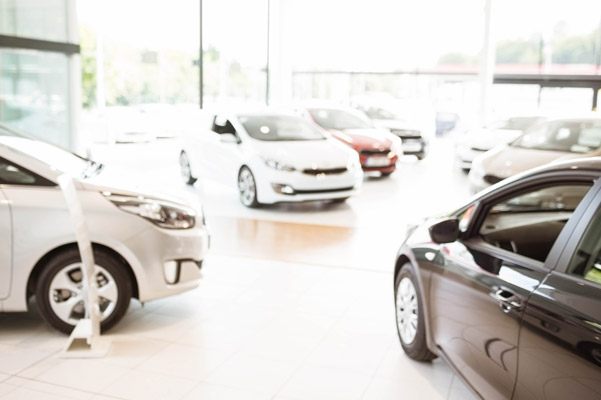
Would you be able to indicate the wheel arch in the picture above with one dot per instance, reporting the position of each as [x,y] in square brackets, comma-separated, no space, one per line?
[405,258]
[43,261]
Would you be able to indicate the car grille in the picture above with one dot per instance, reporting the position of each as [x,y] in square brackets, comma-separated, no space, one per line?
[406,133]
[327,171]
[344,189]
[492,179]
[375,152]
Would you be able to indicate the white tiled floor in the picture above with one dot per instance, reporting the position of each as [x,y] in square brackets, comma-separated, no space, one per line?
[258,327]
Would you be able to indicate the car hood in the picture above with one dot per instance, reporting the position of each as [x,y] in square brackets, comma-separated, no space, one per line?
[371,138]
[302,154]
[111,181]
[505,161]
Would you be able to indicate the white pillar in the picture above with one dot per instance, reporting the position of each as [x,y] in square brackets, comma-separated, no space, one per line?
[280,67]
[487,63]
[78,142]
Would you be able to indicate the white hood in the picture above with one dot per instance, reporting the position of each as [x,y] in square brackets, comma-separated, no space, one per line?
[505,161]
[302,154]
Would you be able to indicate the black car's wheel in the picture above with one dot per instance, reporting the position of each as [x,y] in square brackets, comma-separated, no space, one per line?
[185,169]
[247,187]
[59,293]
[410,317]
[386,174]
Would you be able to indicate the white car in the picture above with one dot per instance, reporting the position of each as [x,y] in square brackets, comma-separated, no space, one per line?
[475,142]
[145,247]
[556,139]
[271,157]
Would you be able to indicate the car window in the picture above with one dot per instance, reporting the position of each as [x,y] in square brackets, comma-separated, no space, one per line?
[279,128]
[11,174]
[338,119]
[529,223]
[586,261]
[567,136]
[223,125]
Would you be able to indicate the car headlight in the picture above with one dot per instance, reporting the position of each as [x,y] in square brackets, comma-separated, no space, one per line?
[160,212]
[278,165]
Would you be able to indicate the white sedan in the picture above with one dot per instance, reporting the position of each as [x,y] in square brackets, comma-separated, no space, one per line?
[145,247]
[271,157]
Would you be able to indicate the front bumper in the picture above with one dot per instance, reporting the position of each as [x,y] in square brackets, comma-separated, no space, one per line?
[305,187]
[167,261]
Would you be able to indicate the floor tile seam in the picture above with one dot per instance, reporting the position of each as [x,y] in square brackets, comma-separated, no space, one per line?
[310,264]
[304,362]
[376,370]
[48,356]
[54,385]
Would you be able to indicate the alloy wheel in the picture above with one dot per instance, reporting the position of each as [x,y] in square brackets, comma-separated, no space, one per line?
[406,310]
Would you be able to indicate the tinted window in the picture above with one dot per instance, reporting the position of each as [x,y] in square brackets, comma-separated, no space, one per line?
[586,261]
[338,119]
[279,128]
[568,136]
[529,223]
[11,174]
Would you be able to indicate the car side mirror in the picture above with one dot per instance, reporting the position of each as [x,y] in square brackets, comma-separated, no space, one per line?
[229,138]
[445,231]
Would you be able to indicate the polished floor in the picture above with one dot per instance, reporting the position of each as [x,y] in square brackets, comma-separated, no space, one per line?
[296,302]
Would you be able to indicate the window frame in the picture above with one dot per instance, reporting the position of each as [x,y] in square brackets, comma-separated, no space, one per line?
[40,181]
[483,205]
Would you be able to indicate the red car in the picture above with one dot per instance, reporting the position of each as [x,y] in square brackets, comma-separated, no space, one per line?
[378,149]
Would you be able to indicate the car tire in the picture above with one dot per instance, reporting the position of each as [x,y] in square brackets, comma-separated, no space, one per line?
[410,317]
[247,188]
[340,200]
[60,282]
[386,174]
[185,169]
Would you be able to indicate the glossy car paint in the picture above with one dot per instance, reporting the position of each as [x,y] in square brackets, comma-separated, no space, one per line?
[369,142]
[544,343]
[211,156]
[38,221]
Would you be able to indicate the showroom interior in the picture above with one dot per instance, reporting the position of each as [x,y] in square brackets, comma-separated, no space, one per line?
[299,200]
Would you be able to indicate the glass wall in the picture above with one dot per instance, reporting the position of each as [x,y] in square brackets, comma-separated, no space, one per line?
[36,83]
[34,93]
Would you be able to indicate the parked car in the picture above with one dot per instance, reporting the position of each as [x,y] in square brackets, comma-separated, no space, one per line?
[475,142]
[446,122]
[146,247]
[271,156]
[507,289]
[552,140]
[405,127]
[378,149]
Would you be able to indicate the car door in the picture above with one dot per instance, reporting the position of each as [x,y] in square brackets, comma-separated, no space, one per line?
[479,294]
[560,339]
[219,152]
[5,244]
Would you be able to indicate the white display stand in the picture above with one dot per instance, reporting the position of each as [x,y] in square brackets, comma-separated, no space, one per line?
[85,340]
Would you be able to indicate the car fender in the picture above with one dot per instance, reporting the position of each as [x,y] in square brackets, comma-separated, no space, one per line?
[406,256]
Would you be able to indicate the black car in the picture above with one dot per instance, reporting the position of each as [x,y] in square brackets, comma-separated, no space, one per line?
[507,289]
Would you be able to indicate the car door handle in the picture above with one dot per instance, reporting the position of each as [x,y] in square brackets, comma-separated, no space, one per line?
[507,300]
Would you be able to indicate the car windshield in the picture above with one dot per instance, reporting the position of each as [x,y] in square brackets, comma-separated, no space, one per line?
[338,119]
[568,136]
[380,113]
[279,128]
[54,157]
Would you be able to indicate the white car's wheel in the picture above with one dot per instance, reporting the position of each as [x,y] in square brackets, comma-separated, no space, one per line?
[60,296]
[185,169]
[247,187]
[410,317]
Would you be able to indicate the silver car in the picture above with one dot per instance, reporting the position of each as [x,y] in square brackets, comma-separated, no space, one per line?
[145,247]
